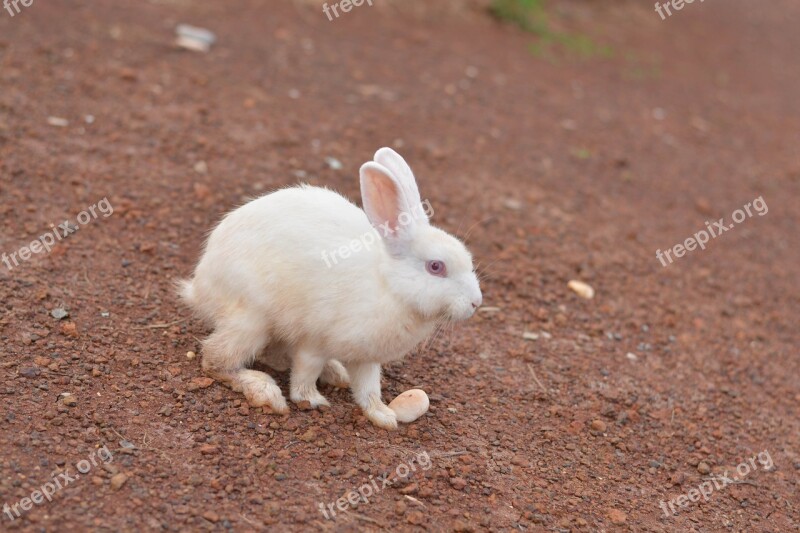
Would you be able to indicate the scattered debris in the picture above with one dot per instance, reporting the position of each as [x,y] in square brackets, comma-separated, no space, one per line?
[29,372]
[584,290]
[69,329]
[58,122]
[458,483]
[414,500]
[68,399]
[334,163]
[309,436]
[194,38]
[118,480]
[209,449]
[201,167]
[536,379]
[617,517]
[532,336]
[59,313]
[161,326]
[199,383]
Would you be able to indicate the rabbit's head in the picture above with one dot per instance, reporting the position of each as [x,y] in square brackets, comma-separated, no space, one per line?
[429,269]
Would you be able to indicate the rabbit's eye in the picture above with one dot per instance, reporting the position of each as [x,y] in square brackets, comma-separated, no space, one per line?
[436,268]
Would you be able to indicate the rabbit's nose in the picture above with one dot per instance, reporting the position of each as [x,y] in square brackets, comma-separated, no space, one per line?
[477,303]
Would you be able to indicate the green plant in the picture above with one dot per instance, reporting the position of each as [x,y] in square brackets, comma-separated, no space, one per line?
[531,16]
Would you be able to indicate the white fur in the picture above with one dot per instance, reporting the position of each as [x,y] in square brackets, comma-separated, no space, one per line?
[263,285]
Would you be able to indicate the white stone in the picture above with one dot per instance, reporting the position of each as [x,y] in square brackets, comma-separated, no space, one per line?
[584,290]
[410,405]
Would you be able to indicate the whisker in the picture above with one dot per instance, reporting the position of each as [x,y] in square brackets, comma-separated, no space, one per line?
[487,219]
[478,266]
[483,276]
[432,338]
[483,272]
[460,222]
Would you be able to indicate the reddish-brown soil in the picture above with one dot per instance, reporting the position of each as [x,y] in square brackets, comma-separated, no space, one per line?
[556,169]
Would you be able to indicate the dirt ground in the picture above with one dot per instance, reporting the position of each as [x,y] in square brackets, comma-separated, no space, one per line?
[549,412]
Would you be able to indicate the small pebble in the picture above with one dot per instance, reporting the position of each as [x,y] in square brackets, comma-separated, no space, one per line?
[118,481]
[410,405]
[458,483]
[29,372]
[69,329]
[617,517]
[703,468]
[69,400]
[334,163]
[599,425]
[59,313]
[199,383]
[308,436]
[584,290]
[58,122]
[194,38]
[190,355]
[201,167]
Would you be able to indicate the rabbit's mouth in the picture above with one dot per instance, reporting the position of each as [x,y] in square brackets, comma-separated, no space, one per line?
[451,316]
[461,309]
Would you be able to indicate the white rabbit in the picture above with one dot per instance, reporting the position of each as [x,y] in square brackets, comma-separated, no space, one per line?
[266,286]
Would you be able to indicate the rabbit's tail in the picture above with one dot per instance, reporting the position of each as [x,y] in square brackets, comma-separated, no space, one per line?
[185,289]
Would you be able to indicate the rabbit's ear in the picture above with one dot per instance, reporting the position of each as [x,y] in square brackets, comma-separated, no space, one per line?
[384,204]
[397,166]
[381,196]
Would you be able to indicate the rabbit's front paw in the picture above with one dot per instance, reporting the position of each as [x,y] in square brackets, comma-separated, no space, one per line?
[310,395]
[266,397]
[382,416]
[259,388]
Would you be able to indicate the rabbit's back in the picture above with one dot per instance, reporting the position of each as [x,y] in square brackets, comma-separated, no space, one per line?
[280,255]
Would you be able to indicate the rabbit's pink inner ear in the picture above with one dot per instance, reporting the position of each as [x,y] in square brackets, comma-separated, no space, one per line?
[381,199]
